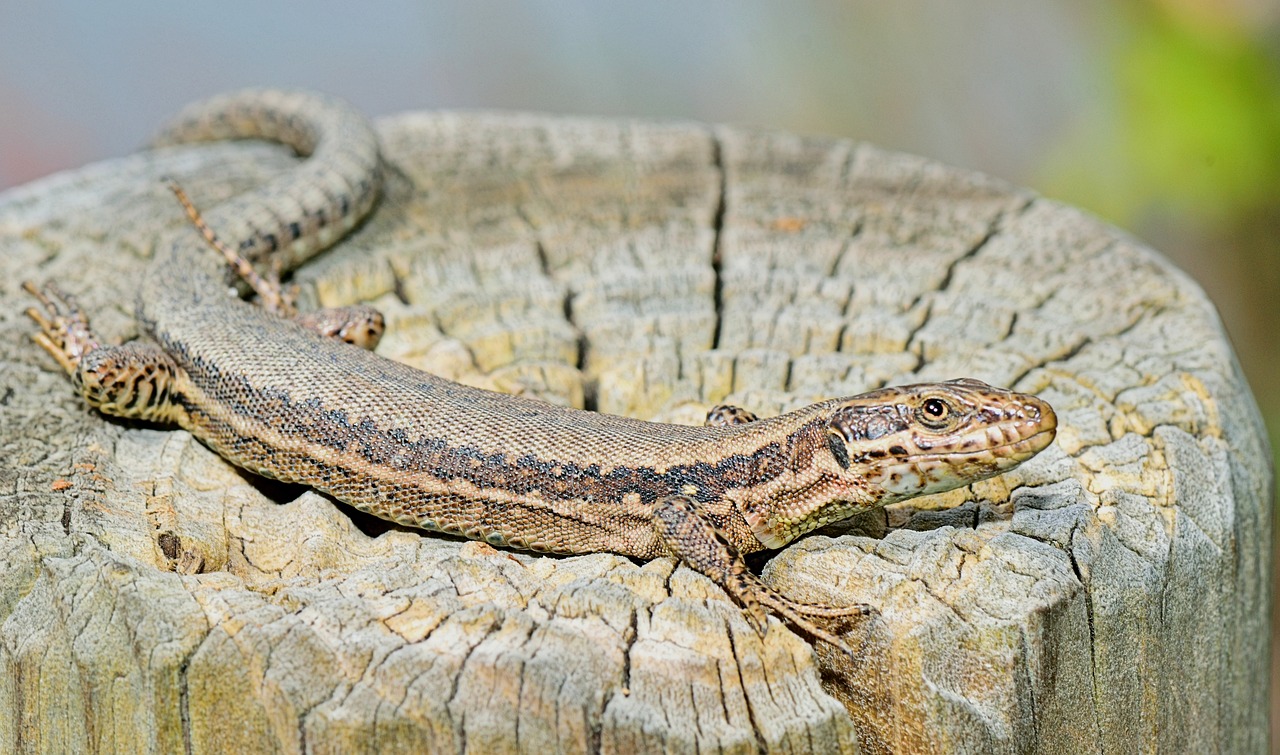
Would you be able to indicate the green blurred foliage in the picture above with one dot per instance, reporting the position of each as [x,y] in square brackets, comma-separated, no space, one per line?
[1191,126]
[1186,144]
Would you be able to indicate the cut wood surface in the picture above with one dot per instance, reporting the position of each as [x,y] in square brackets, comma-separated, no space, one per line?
[1110,595]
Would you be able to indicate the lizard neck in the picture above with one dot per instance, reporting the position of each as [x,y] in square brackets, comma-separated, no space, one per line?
[803,487]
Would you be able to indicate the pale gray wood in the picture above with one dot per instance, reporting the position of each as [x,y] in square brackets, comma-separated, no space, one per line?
[1112,594]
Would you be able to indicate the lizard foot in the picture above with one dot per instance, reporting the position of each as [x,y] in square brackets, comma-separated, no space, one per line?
[724,415]
[358,325]
[750,588]
[704,547]
[64,328]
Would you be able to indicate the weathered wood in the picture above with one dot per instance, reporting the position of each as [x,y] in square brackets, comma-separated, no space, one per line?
[1112,594]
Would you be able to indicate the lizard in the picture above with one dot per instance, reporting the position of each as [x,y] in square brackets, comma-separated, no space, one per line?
[303,398]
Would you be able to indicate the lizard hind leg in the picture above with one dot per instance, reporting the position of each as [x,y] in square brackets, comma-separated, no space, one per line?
[358,325]
[137,379]
[704,548]
[272,296]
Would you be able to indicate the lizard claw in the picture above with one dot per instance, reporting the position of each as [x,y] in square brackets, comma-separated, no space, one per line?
[705,547]
[754,612]
[64,328]
[830,612]
[753,593]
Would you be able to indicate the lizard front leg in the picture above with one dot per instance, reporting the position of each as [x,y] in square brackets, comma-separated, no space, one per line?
[359,324]
[727,415]
[705,548]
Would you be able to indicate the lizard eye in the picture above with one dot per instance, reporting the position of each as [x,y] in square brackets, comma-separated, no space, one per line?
[935,412]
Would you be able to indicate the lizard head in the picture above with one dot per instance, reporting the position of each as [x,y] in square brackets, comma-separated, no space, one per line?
[897,443]
[917,439]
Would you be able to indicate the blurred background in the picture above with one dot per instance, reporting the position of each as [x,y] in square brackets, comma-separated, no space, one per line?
[1161,116]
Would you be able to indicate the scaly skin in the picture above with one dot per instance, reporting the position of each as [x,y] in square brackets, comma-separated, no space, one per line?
[424,451]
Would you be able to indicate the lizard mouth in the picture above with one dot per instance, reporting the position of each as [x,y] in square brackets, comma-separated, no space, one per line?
[1013,452]
[935,472]
[1010,442]
[1030,445]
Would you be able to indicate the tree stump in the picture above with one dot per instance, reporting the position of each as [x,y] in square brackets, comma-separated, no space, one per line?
[1111,594]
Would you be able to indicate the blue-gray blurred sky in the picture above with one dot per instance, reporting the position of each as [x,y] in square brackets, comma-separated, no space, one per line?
[1161,115]
[982,84]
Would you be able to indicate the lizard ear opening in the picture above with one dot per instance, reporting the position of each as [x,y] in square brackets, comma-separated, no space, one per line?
[836,443]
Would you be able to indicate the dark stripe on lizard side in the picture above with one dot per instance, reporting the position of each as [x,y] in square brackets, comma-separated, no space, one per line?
[433,463]
[498,517]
